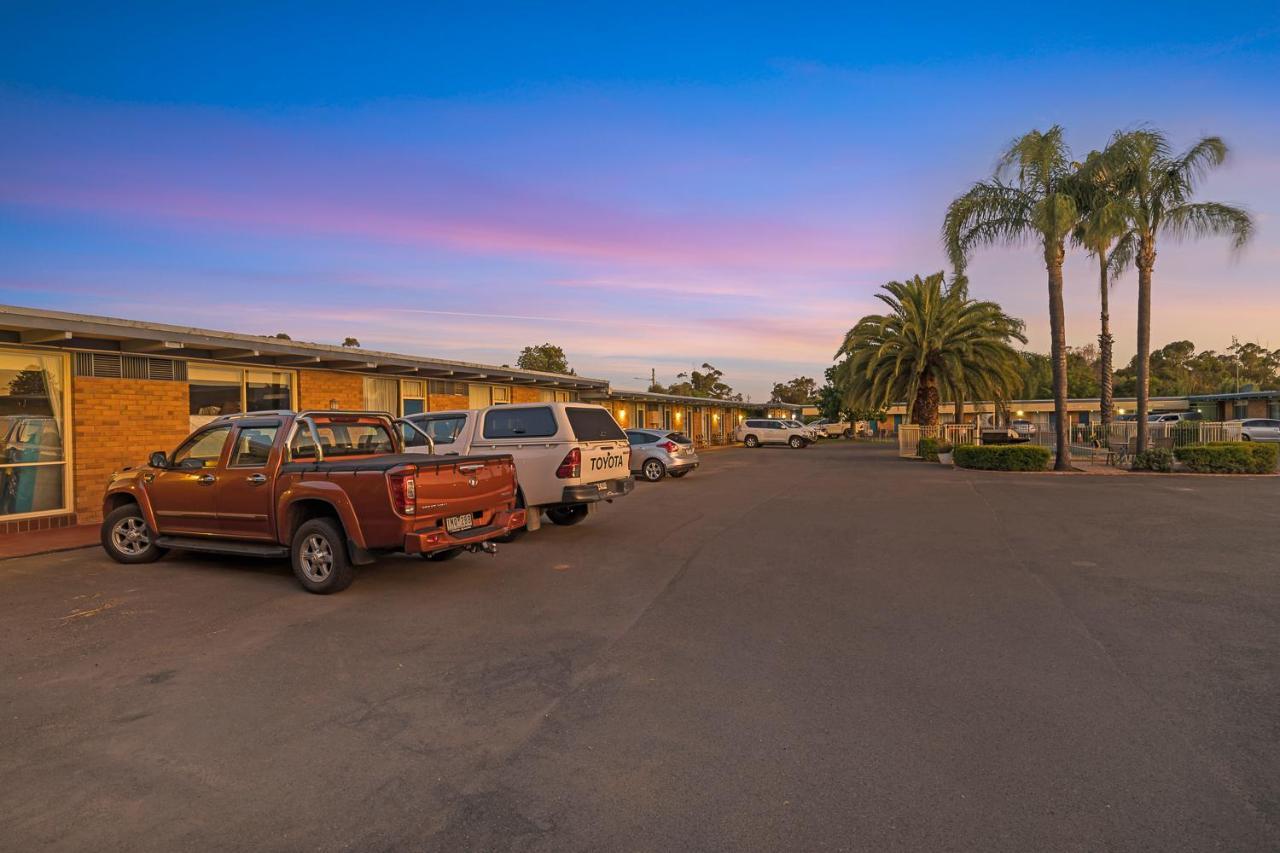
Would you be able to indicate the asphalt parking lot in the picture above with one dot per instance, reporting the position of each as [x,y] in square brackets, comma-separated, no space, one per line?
[800,650]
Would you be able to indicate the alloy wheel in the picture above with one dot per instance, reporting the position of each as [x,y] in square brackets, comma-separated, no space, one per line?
[316,558]
[130,536]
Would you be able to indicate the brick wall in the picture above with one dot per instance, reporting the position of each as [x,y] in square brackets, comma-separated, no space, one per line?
[318,388]
[448,402]
[119,422]
[525,394]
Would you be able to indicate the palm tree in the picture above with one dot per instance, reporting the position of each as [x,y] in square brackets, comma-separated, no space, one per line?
[1038,205]
[1155,188]
[1104,234]
[934,338]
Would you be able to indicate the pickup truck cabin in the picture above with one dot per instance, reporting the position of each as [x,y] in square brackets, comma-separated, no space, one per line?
[330,490]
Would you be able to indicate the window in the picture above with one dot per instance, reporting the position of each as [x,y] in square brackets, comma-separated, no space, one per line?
[1241,409]
[338,439]
[641,438]
[216,390]
[33,467]
[757,424]
[501,394]
[253,446]
[204,446]
[267,391]
[382,395]
[440,386]
[537,422]
[443,430]
[593,424]
[413,397]
[482,396]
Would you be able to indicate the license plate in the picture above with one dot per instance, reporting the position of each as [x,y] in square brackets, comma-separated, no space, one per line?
[459,523]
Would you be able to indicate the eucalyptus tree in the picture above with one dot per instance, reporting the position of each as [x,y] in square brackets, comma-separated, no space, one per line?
[1155,188]
[1031,197]
[934,338]
[1105,234]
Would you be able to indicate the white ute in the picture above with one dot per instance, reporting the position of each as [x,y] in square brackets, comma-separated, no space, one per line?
[569,456]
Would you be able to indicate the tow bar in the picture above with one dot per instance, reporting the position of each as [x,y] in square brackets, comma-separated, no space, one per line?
[487,547]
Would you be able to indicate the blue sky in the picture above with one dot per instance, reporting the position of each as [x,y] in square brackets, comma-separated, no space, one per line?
[655,189]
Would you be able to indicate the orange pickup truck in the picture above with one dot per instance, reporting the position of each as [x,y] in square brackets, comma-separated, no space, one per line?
[330,490]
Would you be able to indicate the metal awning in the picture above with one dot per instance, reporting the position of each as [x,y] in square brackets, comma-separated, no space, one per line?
[109,334]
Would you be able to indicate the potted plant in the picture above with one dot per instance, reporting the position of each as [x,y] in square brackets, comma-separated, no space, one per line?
[944,453]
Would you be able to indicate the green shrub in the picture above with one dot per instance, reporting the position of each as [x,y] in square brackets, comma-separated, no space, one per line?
[930,448]
[1003,457]
[1229,457]
[1155,459]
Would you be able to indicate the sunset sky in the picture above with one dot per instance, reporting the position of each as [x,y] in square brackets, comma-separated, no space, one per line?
[648,190]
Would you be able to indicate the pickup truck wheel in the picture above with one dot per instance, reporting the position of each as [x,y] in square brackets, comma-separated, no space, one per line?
[567,515]
[319,556]
[847,433]
[126,537]
[441,556]
[512,535]
[653,470]
[751,441]
[796,441]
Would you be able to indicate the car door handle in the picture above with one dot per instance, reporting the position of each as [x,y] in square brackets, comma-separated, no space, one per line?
[256,479]
[206,479]
[476,467]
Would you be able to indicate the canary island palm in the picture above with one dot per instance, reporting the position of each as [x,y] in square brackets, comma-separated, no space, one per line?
[1154,191]
[1031,197]
[934,339]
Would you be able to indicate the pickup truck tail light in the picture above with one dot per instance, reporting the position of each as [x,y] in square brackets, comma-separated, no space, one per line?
[669,446]
[404,491]
[571,467]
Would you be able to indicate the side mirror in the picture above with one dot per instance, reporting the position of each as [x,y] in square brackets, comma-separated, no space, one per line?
[159,459]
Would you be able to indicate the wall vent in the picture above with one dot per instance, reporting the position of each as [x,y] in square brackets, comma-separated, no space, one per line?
[105,365]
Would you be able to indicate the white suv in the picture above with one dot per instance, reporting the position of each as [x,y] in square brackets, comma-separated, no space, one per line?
[754,432]
[569,456]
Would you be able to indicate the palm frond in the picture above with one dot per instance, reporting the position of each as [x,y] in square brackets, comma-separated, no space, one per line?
[1209,219]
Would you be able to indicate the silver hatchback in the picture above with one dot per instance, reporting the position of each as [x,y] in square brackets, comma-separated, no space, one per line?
[658,452]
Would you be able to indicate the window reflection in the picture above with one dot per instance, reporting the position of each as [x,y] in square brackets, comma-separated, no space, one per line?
[32,447]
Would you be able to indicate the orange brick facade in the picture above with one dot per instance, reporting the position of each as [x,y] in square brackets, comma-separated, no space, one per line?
[447,402]
[119,422]
[326,389]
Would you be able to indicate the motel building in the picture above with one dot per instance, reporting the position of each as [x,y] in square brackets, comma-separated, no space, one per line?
[1088,410]
[82,396]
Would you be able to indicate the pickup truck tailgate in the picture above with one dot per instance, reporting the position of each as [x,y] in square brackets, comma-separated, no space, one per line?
[604,460]
[448,487]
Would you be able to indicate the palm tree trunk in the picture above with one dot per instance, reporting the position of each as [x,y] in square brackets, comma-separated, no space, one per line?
[925,409]
[1105,380]
[1146,260]
[1053,256]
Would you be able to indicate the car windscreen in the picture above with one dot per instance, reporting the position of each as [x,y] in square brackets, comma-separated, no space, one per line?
[509,422]
[593,424]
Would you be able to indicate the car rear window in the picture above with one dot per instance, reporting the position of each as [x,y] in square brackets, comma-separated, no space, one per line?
[507,422]
[757,424]
[339,439]
[680,438]
[593,424]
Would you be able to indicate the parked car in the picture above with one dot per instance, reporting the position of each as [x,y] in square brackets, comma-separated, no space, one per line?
[1258,429]
[329,490]
[1024,428]
[568,456]
[657,452]
[754,432]
[812,433]
[1172,417]
[833,428]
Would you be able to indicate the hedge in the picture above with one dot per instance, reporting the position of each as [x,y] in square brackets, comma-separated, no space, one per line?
[1229,457]
[1003,457]
[930,448]
[1156,459]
